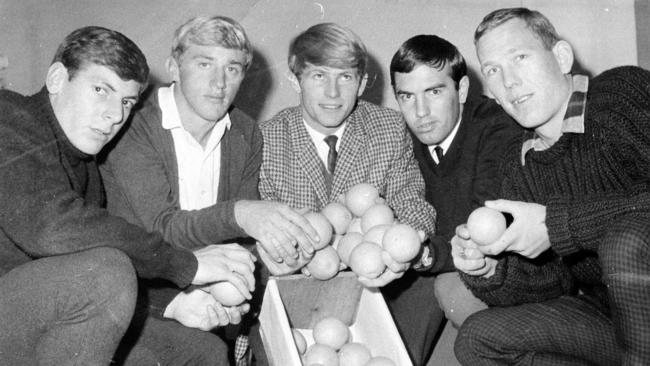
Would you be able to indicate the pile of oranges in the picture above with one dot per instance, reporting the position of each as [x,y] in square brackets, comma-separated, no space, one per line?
[361,229]
[333,346]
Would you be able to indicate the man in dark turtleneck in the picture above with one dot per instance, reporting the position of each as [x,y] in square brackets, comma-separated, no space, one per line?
[67,268]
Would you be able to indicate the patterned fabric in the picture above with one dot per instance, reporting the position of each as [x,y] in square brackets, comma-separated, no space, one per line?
[375,148]
[241,350]
[595,187]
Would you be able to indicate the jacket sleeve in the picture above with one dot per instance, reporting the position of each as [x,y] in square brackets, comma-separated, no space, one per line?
[44,216]
[138,185]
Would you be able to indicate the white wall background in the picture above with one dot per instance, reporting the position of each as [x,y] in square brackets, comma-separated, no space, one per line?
[603,33]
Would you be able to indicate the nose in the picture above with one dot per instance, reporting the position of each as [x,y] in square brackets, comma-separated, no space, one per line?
[113,114]
[510,78]
[332,88]
[421,108]
[218,79]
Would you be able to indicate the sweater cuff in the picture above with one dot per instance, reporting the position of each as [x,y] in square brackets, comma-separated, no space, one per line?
[182,267]
[557,224]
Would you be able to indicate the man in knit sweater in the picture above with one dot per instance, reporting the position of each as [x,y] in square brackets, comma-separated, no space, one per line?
[67,267]
[568,283]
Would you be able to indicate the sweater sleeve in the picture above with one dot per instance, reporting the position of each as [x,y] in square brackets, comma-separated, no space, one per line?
[44,216]
[619,113]
[519,280]
[138,184]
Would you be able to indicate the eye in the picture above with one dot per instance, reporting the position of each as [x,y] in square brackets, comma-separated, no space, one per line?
[490,71]
[405,97]
[435,91]
[232,69]
[127,103]
[100,90]
[317,76]
[347,77]
[204,65]
[520,57]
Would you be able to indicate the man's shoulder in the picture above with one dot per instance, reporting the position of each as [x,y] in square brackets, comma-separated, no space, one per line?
[241,121]
[281,120]
[369,111]
[21,114]
[630,80]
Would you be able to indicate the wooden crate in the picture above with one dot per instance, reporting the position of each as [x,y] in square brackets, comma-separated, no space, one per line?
[300,302]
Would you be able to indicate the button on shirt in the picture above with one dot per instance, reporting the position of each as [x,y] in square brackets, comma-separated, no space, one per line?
[444,144]
[198,167]
[322,148]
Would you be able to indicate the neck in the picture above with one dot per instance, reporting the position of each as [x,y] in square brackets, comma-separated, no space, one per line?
[551,131]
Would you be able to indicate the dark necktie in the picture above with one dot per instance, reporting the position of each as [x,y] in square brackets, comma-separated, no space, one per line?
[438,151]
[331,156]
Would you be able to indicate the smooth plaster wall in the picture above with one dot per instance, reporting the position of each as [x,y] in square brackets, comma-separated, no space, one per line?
[603,32]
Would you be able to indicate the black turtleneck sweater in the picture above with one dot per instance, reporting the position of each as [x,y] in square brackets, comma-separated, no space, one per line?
[586,181]
[52,199]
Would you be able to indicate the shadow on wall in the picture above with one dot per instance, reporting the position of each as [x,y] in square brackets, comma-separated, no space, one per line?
[256,87]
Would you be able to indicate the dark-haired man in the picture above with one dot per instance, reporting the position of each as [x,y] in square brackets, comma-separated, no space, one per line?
[568,283]
[67,267]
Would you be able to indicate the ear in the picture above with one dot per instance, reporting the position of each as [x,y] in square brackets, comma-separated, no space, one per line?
[563,53]
[173,69]
[362,86]
[463,89]
[57,75]
[294,82]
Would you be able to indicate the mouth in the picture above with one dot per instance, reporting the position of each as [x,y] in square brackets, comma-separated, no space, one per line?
[100,133]
[331,107]
[216,98]
[520,100]
[426,126]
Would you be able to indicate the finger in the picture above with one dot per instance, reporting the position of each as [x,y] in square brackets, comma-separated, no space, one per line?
[269,248]
[462,232]
[305,271]
[244,308]
[302,223]
[234,315]
[241,285]
[245,273]
[222,314]
[502,205]
[501,244]
[392,264]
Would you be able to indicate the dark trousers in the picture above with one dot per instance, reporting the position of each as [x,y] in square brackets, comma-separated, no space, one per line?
[152,341]
[66,310]
[417,315]
[575,330]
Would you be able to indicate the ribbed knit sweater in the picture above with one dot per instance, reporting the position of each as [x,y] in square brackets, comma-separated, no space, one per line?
[586,181]
[51,197]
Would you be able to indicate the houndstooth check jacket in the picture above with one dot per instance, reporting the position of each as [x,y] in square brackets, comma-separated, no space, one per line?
[375,148]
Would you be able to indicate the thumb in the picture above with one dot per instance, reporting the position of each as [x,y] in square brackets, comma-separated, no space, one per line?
[501,205]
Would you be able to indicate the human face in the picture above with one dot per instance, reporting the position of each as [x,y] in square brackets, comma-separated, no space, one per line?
[328,95]
[92,107]
[430,102]
[207,81]
[530,82]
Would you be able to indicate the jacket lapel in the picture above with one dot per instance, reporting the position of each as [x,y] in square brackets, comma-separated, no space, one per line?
[305,153]
[353,140]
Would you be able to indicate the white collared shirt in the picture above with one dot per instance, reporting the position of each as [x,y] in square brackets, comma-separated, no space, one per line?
[445,143]
[322,148]
[198,167]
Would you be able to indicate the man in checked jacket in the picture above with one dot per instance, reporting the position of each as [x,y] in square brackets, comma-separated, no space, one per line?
[328,63]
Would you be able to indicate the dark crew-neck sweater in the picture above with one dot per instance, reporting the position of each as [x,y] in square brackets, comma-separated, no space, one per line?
[586,181]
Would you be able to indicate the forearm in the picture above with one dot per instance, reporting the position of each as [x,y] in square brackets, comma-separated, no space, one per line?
[518,280]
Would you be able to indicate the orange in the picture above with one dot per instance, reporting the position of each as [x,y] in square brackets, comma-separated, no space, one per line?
[324,264]
[320,354]
[377,214]
[338,215]
[485,225]
[366,261]
[360,197]
[346,244]
[299,339]
[402,242]
[322,226]
[226,294]
[376,234]
[380,361]
[331,332]
[354,354]
[355,226]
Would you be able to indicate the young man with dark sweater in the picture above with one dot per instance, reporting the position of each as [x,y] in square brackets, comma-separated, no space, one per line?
[568,282]
[68,268]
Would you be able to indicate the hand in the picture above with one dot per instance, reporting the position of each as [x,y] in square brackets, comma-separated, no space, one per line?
[226,262]
[198,309]
[394,270]
[467,257]
[278,228]
[527,235]
[281,268]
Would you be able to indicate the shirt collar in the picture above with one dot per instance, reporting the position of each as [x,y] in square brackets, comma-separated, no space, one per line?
[448,140]
[318,137]
[170,117]
[574,117]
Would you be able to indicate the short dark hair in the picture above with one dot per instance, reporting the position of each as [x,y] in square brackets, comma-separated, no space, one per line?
[104,47]
[429,50]
[327,44]
[535,21]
